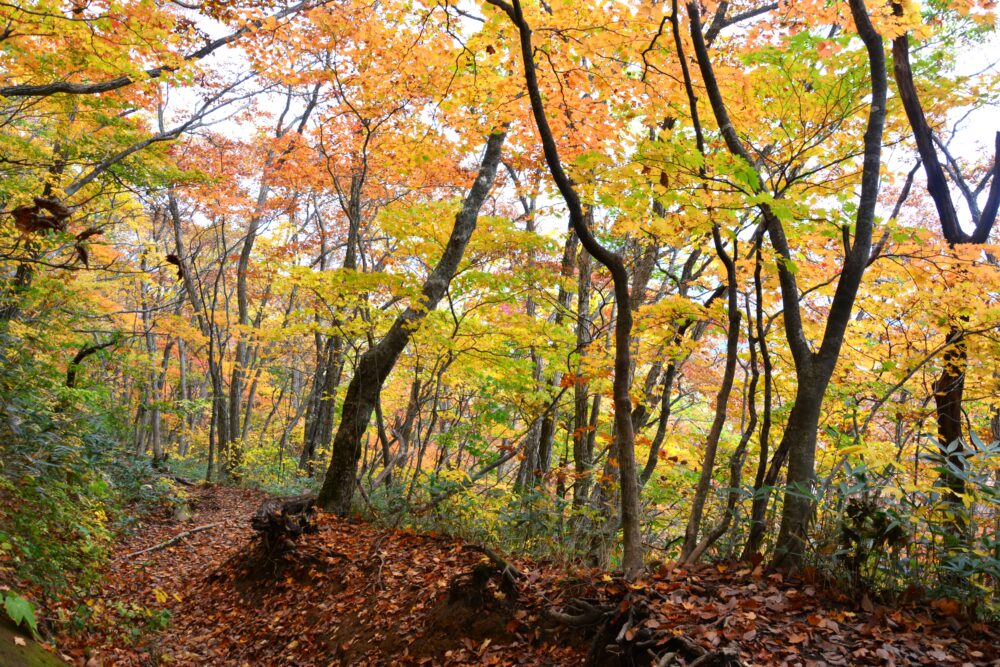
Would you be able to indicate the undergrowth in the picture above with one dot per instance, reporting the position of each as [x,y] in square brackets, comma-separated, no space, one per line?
[68,484]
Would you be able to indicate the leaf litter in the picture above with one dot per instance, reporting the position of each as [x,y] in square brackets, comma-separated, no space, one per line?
[354,593]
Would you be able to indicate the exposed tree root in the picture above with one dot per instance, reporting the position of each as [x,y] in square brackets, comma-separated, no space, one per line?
[280,521]
[623,637]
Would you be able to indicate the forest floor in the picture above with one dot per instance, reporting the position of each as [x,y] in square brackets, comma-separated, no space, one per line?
[358,594]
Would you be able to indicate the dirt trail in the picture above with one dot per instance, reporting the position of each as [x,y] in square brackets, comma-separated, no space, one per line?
[356,594]
[351,594]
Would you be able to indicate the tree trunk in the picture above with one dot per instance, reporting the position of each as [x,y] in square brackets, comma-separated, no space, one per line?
[582,461]
[230,463]
[813,369]
[319,429]
[948,391]
[799,440]
[739,455]
[762,483]
[377,362]
[721,402]
[184,390]
[950,386]
[330,363]
[218,427]
[632,557]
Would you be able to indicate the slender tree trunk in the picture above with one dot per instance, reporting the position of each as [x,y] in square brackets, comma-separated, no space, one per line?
[330,365]
[721,403]
[319,430]
[813,369]
[762,483]
[241,363]
[949,389]
[632,558]
[218,428]
[669,377]
[242,360]
[551,418]
[156,417]
[739,455]
[582,461]
[187,421]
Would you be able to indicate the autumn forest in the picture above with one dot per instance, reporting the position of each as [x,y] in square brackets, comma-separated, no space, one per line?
[542,332]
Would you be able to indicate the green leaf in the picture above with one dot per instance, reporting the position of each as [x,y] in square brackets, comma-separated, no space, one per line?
[789,264]
[21,611]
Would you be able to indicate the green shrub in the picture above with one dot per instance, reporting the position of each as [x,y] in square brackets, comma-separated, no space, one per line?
[884,534]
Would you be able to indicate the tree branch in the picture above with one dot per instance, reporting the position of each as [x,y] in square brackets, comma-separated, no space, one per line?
[70,88]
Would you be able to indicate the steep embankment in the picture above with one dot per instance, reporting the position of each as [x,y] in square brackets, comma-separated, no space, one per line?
[357,594]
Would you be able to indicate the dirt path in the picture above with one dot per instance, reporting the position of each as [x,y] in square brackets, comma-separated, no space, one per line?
[128,614]
[351,594]
[356,594]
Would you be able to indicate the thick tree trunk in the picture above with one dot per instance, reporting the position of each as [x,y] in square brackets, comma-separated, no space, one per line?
[799,440]
[377,362]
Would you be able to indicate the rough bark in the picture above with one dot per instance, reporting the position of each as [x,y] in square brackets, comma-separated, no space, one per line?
[279,518]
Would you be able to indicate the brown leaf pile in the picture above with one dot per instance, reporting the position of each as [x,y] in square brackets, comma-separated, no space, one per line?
[358,594]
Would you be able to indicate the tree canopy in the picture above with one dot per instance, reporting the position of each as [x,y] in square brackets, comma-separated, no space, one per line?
[600,282]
